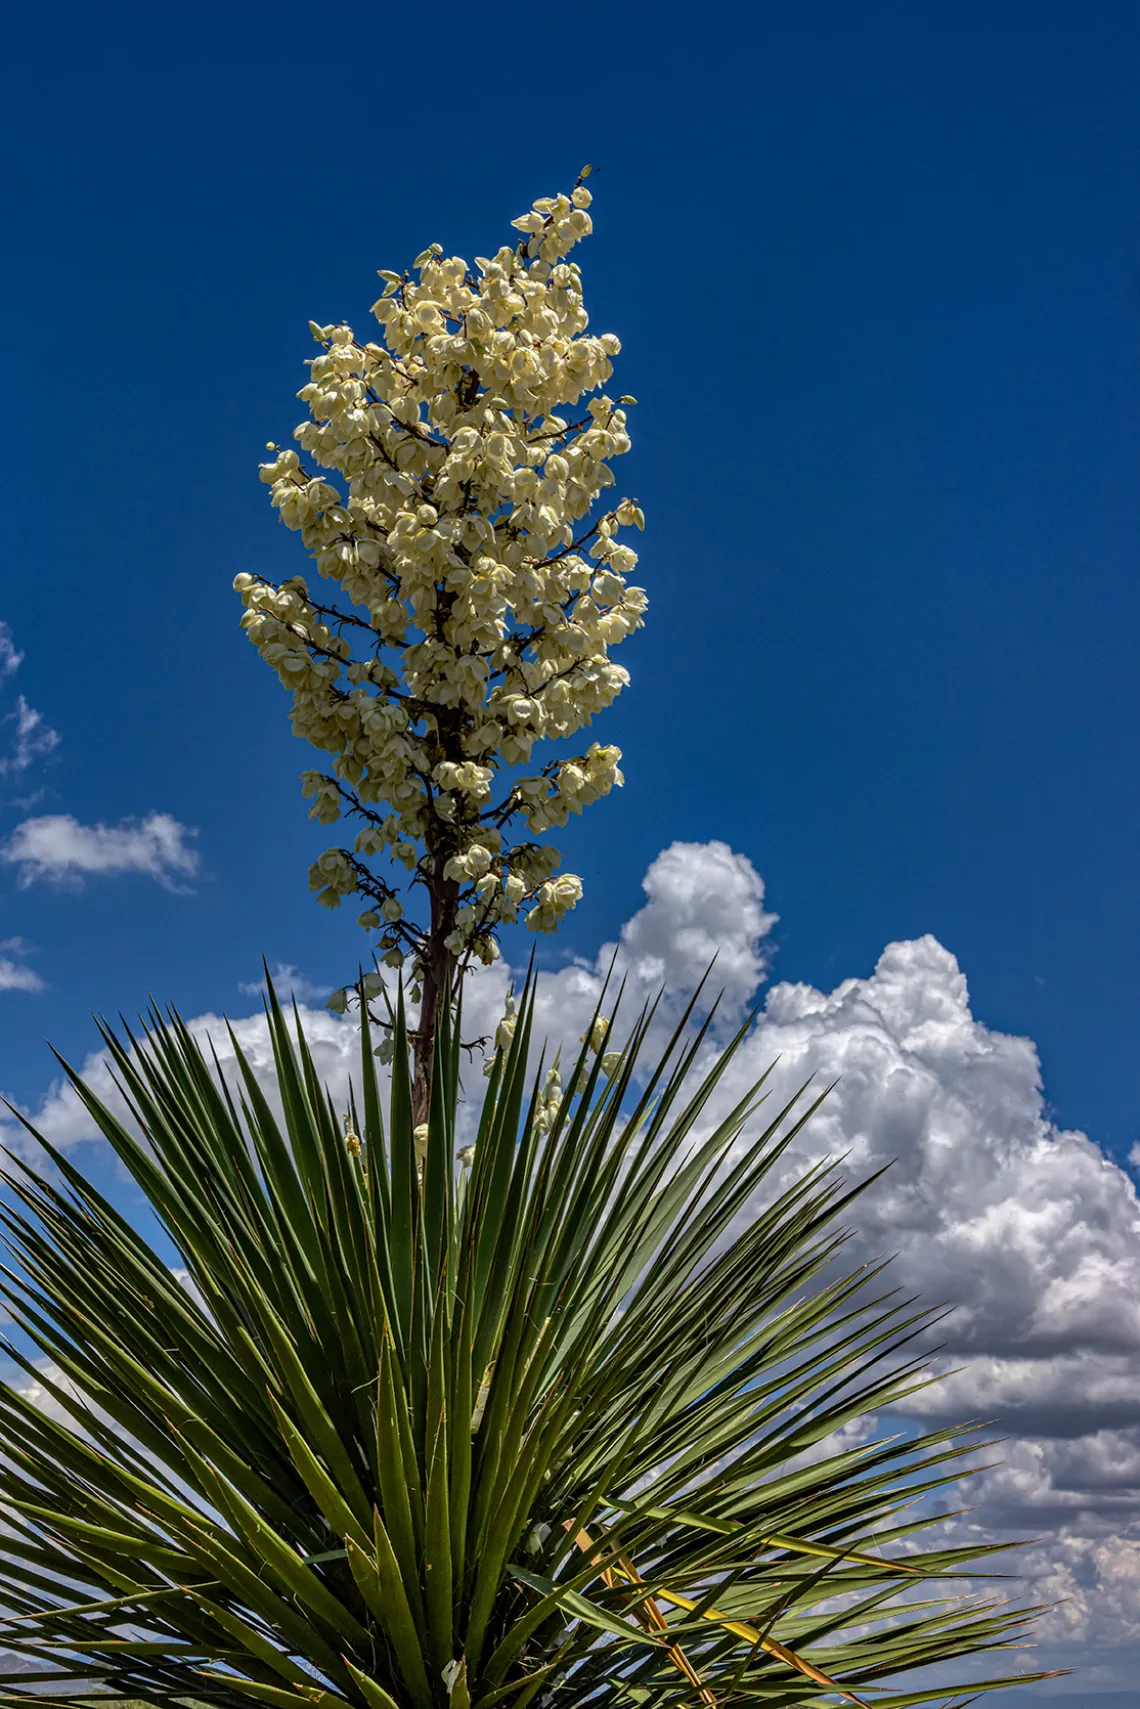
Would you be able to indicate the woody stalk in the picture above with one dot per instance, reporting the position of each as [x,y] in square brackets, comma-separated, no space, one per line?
[449,489]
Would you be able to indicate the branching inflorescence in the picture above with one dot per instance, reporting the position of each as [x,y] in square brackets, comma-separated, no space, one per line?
[485,587]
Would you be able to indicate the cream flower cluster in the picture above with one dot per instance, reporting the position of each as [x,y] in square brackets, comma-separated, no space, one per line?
[478,583]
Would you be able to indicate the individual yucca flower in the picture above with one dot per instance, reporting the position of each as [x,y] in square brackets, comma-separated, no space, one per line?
[536,1425]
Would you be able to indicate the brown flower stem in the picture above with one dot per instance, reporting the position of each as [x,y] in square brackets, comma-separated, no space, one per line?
[439,977]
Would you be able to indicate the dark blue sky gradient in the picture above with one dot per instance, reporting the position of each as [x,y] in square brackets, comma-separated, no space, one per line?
[877,273]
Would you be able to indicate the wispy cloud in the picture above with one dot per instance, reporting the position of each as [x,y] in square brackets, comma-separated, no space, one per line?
[14,976]
[33,739]
[57,849]
[10,659]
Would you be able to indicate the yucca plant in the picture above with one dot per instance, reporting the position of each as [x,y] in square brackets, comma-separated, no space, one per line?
[547,1423]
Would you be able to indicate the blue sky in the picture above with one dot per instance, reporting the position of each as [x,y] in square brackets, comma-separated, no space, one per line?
[879,287]
[877,276]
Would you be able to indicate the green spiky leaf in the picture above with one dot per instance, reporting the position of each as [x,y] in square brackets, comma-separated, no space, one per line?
[424,1435]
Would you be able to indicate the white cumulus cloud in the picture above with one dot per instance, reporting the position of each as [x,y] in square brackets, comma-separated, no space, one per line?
[58,849]
[288,981]
[705,909]
[1031,1233]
